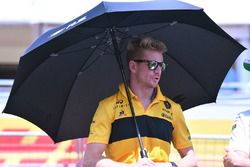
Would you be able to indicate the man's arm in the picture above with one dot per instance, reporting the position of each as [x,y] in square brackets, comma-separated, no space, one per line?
[236,158]
[188,158]
[181,137]
[93,154]
[93,158]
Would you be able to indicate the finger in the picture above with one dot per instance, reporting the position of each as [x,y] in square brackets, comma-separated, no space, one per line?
[225,158]
[148,162]
[141,163]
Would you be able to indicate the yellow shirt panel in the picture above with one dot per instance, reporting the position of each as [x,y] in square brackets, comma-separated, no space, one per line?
[112,124]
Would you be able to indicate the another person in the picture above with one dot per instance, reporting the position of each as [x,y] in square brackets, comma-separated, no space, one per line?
[246,63]
[160,120]
[238,152]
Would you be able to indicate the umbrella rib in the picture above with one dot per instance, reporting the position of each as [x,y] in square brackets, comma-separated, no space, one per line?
[75,51]
[75,80]
[190,74]
[105,50]
[82,49]
[102,42]
[161,27]
[125,36]
[86,67]
[84,38]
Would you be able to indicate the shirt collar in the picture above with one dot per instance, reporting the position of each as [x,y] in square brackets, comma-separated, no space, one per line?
[159,96]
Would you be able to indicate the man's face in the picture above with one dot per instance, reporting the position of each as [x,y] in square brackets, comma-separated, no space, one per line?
[144,75]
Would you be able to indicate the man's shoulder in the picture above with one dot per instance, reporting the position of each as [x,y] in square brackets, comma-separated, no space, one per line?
[110,99]
[172,102]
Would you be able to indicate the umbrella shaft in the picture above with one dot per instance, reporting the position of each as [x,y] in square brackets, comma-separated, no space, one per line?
[143,152]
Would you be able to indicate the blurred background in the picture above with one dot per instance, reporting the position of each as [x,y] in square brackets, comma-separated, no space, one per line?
[24,144]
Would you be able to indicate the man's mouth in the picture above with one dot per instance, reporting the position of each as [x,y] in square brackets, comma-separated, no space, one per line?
[156,78]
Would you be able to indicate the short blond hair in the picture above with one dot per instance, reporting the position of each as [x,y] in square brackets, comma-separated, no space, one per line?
[136,45]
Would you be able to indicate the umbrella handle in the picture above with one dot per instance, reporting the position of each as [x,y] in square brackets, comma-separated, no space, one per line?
[143,152]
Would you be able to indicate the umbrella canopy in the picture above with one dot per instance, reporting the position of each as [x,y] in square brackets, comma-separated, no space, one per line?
[66,71]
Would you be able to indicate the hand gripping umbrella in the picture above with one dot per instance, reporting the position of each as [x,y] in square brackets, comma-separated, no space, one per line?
[66,71]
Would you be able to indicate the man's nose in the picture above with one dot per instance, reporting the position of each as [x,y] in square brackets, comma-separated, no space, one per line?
[158,70]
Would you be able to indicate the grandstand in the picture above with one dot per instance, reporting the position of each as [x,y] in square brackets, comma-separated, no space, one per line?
[24,144]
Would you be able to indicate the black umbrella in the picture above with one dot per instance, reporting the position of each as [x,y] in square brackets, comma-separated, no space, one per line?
[66,71]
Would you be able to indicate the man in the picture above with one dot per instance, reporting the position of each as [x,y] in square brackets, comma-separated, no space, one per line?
[238,152]
[246,62]
[160,120]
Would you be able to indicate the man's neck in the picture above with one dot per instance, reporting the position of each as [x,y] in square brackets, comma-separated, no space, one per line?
[145,95]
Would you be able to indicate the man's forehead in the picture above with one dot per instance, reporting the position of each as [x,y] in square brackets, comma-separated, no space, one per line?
[151,53]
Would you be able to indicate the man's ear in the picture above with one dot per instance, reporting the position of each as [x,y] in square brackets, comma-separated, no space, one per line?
[132,66]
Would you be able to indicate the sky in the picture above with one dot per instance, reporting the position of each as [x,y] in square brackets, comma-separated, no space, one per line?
[61,11]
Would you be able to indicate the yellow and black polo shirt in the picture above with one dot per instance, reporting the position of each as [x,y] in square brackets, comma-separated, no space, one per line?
[160,124]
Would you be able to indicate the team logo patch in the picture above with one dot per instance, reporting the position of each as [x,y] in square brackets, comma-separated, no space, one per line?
[122,114]
[167,104]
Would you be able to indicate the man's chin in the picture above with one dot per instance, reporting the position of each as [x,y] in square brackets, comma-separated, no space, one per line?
[154,85]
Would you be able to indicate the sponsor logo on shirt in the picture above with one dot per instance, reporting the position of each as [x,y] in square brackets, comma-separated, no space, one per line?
[120,104]
[167,114]
[167,111]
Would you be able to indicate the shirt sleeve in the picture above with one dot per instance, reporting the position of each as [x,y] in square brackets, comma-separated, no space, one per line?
[239,139]
[181,135]
[100,128]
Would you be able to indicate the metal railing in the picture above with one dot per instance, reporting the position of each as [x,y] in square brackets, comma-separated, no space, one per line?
[208,148]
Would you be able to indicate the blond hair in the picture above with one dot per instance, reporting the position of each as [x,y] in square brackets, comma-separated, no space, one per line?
[137,45]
